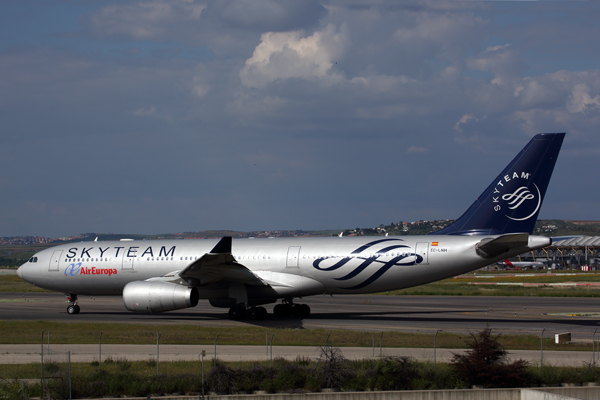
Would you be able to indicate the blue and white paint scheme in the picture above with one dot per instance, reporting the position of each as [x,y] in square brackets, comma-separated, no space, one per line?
[244,274]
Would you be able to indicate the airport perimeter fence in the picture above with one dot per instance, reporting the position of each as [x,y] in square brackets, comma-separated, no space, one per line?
[55,359]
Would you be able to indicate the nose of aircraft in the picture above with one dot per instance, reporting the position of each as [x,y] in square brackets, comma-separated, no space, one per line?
[24,271]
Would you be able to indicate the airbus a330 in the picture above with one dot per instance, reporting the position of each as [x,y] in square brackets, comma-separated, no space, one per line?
[243,275]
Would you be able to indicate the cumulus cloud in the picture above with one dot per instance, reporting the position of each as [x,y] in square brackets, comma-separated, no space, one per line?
[463,120]
[502,61]
[581,101]
[286,55]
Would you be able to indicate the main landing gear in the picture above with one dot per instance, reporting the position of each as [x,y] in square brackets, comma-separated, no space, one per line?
[288,308]
[239,312]
[283,310]
[73,308]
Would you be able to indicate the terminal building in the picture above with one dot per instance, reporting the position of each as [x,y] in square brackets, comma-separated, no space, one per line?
[572,252]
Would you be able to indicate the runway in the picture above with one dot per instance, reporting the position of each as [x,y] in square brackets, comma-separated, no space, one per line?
[372,313]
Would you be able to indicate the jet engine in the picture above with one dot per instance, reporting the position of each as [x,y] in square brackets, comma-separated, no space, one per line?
[151,297]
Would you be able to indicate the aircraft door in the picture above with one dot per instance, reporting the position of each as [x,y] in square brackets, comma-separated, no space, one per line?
[127,263]
[422,250]
[292,257]
[54,261]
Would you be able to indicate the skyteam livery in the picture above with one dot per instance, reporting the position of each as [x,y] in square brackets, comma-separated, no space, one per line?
[244,274]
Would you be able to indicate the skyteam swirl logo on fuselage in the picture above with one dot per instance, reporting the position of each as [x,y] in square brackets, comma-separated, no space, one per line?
[371,258]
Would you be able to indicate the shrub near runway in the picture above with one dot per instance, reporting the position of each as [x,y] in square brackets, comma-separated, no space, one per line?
[124,378]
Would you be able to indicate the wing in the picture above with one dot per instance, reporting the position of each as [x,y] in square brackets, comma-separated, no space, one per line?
[219,264]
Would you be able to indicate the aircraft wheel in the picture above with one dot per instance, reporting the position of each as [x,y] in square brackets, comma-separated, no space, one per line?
[71,309]
[257,313]
[252,313]
[305,310]
[282,310]
[237,313]
[299,311]
[262,312]
[77,309]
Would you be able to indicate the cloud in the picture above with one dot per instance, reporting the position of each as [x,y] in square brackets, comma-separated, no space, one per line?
[187,96]
[144,112]
[416,149]
[287,55]
[463,120]
[502,61]
[581,101]
[145,19]
[267,15]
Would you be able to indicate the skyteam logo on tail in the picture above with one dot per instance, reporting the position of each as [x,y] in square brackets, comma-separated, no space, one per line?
[517,197]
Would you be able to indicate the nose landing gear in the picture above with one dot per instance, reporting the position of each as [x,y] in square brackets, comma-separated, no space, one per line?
[73,308]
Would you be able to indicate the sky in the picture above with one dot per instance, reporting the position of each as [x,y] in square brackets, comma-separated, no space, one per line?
[167,116]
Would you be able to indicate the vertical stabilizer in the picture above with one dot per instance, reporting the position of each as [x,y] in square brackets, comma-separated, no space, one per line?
[513,200]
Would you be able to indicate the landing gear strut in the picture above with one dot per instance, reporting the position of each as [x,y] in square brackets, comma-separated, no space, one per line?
[73,308]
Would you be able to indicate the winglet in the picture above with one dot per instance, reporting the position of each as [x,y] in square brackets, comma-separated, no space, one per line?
[223,247]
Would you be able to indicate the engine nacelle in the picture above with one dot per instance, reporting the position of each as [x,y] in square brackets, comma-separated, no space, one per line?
[151,297]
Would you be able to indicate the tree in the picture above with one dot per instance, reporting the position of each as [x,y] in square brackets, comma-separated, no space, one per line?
[486,363]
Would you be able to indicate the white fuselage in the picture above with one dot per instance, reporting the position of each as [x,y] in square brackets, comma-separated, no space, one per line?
[294,267]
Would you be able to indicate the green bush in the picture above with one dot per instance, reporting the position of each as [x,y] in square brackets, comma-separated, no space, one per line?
[486,364]
[221,379]
[394,373]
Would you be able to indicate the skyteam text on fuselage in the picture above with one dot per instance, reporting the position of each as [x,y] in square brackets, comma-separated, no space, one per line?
[244,274]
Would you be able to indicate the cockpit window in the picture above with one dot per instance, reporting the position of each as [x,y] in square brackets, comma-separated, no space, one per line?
[33,259]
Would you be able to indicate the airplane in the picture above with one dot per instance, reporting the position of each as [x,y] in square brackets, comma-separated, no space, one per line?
[243,275]
[522,264]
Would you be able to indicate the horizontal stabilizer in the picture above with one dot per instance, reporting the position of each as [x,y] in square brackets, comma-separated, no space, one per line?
[491,248]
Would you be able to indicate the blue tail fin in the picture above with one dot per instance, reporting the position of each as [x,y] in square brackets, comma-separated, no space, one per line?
[512,202]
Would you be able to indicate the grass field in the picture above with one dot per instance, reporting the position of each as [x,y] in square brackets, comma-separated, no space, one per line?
[87,333]
[29,332]
[12,283]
